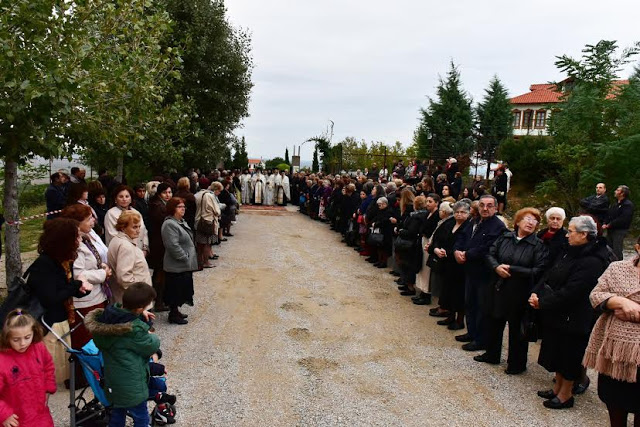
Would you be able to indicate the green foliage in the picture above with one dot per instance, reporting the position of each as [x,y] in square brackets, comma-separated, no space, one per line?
[494,120]
[240,156]
[215,77]
[446,126]
[525,159]
[315,165]
[273,163]
[283,167]
[360,155]
[585,123]
[286,156]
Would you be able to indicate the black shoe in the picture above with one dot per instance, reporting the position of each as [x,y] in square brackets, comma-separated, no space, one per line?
[214,257]
[434,310]
[372,260]
[416,298]
[223,239]
[555,403]
[403,288]
[455,326]
[407,293]
[439,314]
[184,316]
[546,394]
[447,321]
[394,273]
[486,359]
[381,265]
[472,346]
[421,301]
[177,319]
[463,338]
[400,282]
[579,388]
[510,371]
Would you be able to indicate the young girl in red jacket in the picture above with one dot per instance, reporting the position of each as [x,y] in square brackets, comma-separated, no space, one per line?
[27,376]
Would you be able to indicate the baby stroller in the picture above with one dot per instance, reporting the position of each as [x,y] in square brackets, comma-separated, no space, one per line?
[95,412]
[83,412]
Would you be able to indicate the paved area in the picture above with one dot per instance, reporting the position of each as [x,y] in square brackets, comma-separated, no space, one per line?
[292,328]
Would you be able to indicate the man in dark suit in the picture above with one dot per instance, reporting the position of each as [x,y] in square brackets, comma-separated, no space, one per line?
[470,250]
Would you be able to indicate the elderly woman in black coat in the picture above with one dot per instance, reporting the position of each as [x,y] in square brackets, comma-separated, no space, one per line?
[441,249]
[517,259]
[562,296]
[383,222]
[554,236]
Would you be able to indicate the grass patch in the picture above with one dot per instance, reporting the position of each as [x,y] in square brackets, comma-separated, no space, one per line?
[30,230]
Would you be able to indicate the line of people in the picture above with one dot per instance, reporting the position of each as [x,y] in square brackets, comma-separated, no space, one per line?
[551,284]
[147,245]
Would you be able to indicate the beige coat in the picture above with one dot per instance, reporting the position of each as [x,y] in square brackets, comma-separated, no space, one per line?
[128,264]
[207,208]
[110,220]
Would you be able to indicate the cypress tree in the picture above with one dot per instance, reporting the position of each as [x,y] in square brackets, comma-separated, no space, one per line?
[494,120]
[315,166]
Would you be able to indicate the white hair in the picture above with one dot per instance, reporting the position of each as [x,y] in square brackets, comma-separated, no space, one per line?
[555,211]
[585,224]
[446,207]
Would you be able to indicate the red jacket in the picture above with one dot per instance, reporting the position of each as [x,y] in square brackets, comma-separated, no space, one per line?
[25,380]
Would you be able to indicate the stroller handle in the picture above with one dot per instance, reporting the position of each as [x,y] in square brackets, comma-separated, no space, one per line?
[61,338]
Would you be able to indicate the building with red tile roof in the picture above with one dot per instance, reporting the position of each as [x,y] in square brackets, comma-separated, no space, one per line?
[531,110]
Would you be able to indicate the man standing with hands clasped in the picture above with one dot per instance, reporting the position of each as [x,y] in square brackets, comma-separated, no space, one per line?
[619,220]
[470,250]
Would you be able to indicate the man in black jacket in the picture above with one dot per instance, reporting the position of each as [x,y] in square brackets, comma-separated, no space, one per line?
[619,220]
[471,249]
[597,205]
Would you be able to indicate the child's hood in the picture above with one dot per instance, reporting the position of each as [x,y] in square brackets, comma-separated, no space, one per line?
[112,321]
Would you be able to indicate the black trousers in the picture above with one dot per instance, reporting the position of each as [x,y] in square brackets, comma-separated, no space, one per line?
[518,346]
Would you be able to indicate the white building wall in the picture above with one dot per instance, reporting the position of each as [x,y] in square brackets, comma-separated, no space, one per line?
[533,131]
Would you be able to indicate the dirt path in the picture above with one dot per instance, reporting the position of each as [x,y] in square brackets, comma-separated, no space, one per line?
[293,328]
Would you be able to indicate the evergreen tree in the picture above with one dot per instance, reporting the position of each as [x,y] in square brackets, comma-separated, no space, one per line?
[315,165]
[494,120]
[584,125]
[286,156]
[240,157]
[446,126]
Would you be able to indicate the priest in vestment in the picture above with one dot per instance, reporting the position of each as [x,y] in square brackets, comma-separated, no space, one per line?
[245,185]
[258,182]
[270,190]
[283,194]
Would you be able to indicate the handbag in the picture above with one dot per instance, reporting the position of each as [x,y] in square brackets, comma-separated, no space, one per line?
[402,244]
[21,295]
[529,330]
[205,227]
[375,239]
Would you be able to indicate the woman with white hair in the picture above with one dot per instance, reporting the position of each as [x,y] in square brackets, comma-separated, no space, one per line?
[554,236]
[562,296]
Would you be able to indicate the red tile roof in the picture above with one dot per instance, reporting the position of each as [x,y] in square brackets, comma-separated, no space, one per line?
[546,93]
[255,161]
[540,94]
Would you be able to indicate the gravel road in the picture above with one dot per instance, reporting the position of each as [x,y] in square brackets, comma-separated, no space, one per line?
[292,328]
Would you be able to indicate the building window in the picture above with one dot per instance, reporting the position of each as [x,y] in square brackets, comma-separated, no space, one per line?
[527,119]
[541,119]
[516,118]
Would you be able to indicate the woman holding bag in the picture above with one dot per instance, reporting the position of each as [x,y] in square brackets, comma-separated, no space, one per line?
[614,346]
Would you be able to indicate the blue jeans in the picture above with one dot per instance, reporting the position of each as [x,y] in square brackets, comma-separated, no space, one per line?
[139,413]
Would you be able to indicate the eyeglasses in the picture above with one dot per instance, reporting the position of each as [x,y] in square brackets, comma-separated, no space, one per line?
[530,220]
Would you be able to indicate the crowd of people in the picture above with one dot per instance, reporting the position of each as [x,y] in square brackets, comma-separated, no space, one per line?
[117,256]
[111,258]
[547,279]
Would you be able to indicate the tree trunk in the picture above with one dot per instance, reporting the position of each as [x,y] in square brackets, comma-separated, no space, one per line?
[120,170]
[12,232]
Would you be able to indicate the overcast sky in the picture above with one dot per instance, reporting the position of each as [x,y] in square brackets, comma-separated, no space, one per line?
[370,65]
